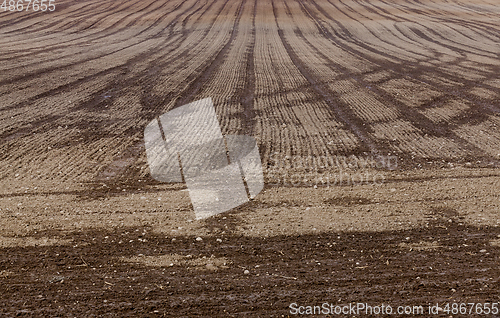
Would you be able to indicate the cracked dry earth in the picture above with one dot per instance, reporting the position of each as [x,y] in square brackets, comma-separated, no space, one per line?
[86,232]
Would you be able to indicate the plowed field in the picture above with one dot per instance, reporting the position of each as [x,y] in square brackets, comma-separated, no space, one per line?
[378,124]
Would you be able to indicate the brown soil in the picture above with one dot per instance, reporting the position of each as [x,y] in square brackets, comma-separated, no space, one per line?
[324,86]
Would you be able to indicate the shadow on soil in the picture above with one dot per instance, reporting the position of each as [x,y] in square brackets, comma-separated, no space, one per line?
[444,262]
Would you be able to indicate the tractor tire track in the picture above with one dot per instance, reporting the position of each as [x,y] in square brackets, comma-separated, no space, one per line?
[343,113]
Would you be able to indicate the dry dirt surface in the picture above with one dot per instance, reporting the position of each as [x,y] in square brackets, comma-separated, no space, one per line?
[378,125]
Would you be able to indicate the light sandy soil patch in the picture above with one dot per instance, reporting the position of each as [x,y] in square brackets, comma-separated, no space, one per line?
[30,241]
[188,261]
[420,246]
[495,243]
